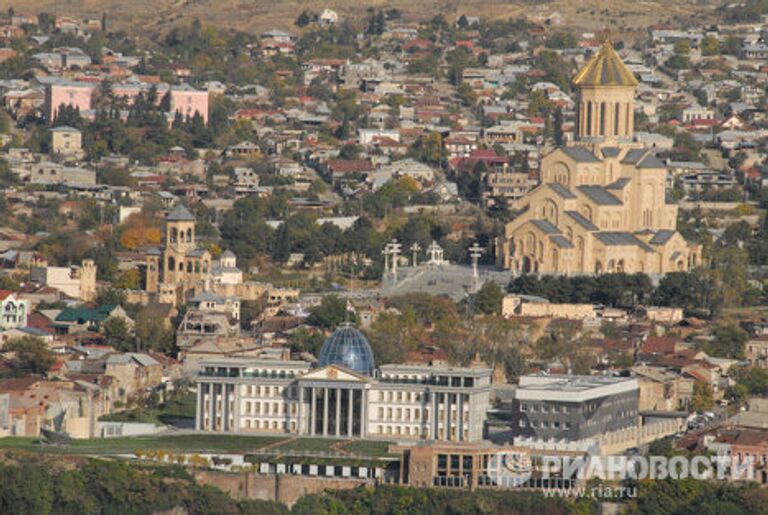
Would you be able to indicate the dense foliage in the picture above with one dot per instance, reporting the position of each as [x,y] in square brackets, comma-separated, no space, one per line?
[99,486]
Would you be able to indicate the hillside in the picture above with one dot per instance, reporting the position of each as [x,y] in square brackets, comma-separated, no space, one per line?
[254,15]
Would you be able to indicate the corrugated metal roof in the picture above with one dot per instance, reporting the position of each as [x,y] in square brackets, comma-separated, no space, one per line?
[561,190]
[561,241]
[600,195]
[580,155]
[581,220]
[617,239]
[546,226]
[634,156]
[662,237]
[618,184]
[651,161]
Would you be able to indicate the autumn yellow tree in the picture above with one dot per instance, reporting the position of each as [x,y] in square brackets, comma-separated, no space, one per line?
[138,231]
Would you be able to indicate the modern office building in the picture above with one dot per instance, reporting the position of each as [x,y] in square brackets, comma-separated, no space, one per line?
[574,408]
[345,395]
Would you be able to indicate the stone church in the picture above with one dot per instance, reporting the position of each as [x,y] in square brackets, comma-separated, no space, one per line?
[602,205]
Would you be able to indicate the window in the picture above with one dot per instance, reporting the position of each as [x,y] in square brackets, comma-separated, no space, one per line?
[523,423]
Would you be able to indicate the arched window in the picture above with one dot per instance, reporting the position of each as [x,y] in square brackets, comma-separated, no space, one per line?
[616,111]
[174,235]
[588,127]
[189,267]
[189,235]
[171,264]
[181,266]
[598,267]
[611,266]
[197,267]
[530,243]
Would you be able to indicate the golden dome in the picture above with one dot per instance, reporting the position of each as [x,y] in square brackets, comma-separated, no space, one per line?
[605,68]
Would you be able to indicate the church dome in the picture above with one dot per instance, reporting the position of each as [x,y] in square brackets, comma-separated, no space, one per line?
[349,348]
[605,69]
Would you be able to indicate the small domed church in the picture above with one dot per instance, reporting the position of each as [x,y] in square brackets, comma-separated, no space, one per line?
[602,205]
[181,269]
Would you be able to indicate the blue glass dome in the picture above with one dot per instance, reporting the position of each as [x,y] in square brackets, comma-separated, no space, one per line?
[347,347]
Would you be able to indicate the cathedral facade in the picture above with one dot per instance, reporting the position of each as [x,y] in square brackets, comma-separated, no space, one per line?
[602,205]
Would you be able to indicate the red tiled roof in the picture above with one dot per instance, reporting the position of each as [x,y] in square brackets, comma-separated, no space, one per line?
[658,345]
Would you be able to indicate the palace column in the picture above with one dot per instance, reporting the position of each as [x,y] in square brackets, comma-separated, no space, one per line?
[325,411]
[299,409]
[212,407]
[435,416]
[447,416]
[199,412]
[313,410]
[337,429]
[363,414]
[350,411]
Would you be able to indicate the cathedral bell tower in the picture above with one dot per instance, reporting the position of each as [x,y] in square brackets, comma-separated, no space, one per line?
[179,240]
[606,96]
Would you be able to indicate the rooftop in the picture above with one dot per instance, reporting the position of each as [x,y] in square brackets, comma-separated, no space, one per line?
[605,69]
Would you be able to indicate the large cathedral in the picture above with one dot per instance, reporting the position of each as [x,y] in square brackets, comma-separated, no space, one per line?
[602,205]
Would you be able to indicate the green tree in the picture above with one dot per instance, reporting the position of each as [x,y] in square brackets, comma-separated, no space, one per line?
[710,46]
[118,334]
[30,354]
[304,19]
[488,299]
[331,313]
[702,398]
[728,341]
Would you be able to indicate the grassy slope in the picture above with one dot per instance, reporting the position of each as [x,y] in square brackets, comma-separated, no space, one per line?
[160,15]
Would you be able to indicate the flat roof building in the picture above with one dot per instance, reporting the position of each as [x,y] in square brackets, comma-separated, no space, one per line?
[402,402]
[574,408]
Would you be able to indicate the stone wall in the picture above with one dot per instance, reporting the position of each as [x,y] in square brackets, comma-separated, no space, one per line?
[286,489]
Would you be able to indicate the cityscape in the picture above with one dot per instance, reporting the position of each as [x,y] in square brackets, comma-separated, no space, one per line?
[311,258]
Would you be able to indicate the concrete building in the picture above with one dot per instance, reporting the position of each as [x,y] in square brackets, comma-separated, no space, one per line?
[602,205]
[13,311]
[78,282]
[66,141]
[574,408]
[344,396]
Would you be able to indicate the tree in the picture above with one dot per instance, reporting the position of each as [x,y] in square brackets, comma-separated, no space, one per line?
[128,280]
[488,299]
[153,332]
[466,94]
[710,46]
[702,398]
[558,127]
[331,313]
[306,340]
[728,342]
[31,354]
[118,334]
[304,19]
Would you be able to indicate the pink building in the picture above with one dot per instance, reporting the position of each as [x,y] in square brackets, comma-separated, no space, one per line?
[183,99]
[187,101]
[75,94]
